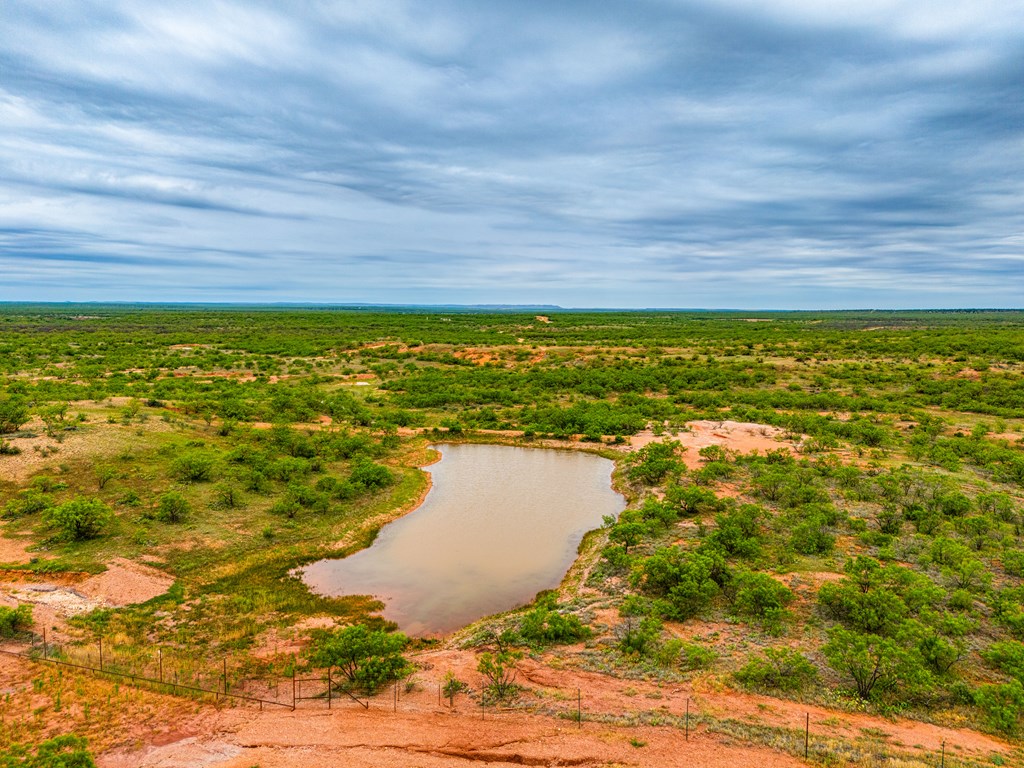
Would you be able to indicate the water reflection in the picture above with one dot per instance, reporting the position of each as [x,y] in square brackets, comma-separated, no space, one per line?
[499,525]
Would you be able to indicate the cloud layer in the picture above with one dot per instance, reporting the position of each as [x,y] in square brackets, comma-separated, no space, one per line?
[636,153]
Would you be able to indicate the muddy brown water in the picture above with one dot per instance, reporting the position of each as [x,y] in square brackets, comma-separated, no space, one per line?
[499,525]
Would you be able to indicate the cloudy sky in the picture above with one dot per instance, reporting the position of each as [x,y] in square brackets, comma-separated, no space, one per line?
[643,153]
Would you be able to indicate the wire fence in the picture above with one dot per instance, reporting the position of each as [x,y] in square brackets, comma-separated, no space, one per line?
[178,673]
[232,680]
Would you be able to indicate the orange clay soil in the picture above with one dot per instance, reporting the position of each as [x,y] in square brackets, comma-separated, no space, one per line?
[426,733]
[735,436]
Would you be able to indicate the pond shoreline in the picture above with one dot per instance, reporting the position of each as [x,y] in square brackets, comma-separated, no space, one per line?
[488,543]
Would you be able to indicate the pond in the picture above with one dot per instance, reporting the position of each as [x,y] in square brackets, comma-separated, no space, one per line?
[499,524]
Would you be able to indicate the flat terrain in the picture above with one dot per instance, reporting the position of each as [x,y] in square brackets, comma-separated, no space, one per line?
[825,519]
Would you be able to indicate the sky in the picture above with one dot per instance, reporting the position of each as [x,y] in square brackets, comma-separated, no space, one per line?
[796,154]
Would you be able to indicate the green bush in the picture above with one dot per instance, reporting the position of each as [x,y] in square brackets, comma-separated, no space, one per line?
[370,475]
[544,625]
[687,581]
[173,507]
[874,664]
[1002,705]
[811,537]
[13,413]
[14,620]
[738,531]
[652,463]
[675,653]
[28,502]
[367,658]
[781,669]
[61,752]
[638,635]
[758,596]
[193,467]
[80,518]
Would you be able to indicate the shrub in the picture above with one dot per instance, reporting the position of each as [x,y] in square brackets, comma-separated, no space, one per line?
[810,537]
[759,596]
[499,670]
[1003,705]
[738,532]
[545,625]
[782,669]
[370,475]
[14,620]
[368,658]
[654,461]
[61,752]
[173,507]
[227,496]
[28,502]
[1013,562]
[193,467]
[13,413]
[452,687]
[80,518]
[692,499]
[687,581]
[685,656]
[873,663]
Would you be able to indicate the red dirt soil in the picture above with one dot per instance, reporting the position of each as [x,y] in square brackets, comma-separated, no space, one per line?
[426,733]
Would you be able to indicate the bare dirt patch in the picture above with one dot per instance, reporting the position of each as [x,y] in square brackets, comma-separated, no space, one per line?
[14,549]
[126,583]
[57,597]
[736,436]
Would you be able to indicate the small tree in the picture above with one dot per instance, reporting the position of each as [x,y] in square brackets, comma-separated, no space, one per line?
[368,658]
[13,413]
[104,475]
[452,687]
[759,596]
[54,418]
[874,663]
[227,496]
[80,518]
[173,507]
[499,670]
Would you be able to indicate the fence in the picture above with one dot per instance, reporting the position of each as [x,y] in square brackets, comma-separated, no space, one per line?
[171,673]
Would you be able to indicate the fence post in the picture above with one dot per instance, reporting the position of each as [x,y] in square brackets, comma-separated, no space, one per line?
[160,655]
[293,687]
[396,697]
[225,668]
[44,642]
[687,718]
[807,735]
[101,653]
[328,687]
[579,708]
[943,753]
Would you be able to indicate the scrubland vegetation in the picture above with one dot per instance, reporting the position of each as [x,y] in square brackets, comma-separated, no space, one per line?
[872,562]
